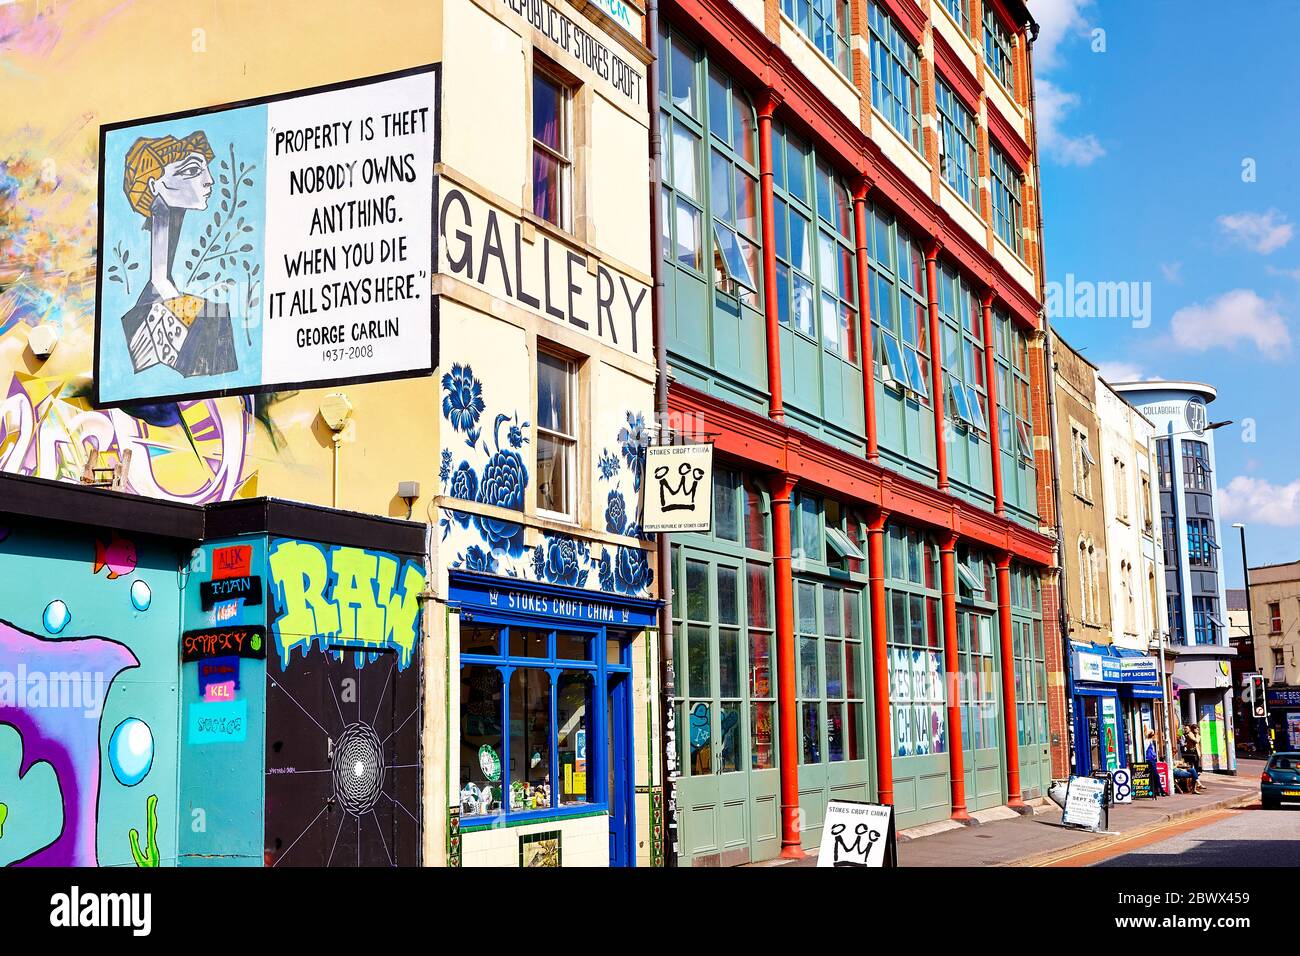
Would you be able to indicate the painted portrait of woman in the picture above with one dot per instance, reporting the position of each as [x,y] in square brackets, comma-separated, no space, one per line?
[165,179]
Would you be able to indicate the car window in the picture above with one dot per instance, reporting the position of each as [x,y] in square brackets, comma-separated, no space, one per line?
[1283,763]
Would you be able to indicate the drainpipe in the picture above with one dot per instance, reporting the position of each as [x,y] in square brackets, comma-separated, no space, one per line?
[663,550]
[1049,373]
[936,364]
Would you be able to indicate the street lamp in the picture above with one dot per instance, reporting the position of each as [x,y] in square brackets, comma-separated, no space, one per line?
[1173,500]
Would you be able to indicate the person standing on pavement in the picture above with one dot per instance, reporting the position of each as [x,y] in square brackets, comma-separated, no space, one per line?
[1152,758]
[1191,748]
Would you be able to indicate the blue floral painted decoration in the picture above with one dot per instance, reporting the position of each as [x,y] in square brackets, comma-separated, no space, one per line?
[634,437]
[463,402]
[616,513]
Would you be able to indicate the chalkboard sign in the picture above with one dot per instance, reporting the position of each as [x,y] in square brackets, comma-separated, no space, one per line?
[1144,784]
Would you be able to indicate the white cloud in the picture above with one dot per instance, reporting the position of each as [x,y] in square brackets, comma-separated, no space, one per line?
[1173,272]
[1261,502]
[1052,104]
[1121,372]
[1056,19]
[1263,232]
[1228,321]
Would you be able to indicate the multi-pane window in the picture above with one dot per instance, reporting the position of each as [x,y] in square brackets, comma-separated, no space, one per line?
[978,692]
[1008,203]
[1200,543]
[1084,462]
[816,275]
[1121,488]
[528,703]
[1196,466]
[1169,539]
[899,314]
[1275,617]
[557,435]
[552,150]
[895,75]
[960,12]
[916,669]
[1029,653]
[1164,463]
[832,686]
[959,159]
[1279,667]
[963,351]
[826,24]
[1015,407]
[1177,633]
[1145,490]
[999,48]
[709,203]
[1205,614]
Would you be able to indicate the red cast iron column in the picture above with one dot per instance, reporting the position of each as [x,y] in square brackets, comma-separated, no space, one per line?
[952,674]
[787,704]
[776,404]
[866,351]
[880,657]
[1008,664]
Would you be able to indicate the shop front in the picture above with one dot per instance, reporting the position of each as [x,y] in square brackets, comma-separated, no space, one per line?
[549,746]
[1203,679]
[1284,717]
[1117,696]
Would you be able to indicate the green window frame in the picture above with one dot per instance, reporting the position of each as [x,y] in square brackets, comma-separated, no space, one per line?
[1015,404]
[900,318]
[977,650]
[826,24]
[709,203]
[895,75]
[829,629]
[959,160]
[1008,202]
[1029,653]
[999,48]
[914,622]
[962,325]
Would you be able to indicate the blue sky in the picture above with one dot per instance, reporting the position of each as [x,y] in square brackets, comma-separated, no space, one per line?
[1169,145]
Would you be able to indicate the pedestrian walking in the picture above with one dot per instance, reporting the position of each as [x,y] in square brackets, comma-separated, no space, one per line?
[1152,759]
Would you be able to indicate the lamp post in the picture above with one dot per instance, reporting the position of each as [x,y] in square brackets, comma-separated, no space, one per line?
[1250,611]
[1173,499]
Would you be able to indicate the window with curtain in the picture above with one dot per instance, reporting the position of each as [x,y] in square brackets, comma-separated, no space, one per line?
[915,643]
[959,161]
[826,24]
[999,48]
[709,167]
[895,75]
[1007,182]
[899,313]
[552,149]
[557,431]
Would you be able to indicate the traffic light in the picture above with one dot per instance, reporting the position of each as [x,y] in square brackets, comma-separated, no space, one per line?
[1255,694]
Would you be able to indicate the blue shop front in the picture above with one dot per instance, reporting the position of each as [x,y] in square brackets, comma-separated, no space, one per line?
[554,711]
[1117,698]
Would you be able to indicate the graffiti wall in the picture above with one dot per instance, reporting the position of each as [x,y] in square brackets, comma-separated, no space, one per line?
[342,706]
[88,698]
[78,65]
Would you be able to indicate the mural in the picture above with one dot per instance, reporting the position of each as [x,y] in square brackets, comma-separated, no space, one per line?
[88,690]
[478,467]
[342,731]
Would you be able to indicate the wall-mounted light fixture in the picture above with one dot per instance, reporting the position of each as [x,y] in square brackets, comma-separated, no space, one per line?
[336,413]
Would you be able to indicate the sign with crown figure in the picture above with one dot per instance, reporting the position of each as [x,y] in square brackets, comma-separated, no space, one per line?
[678,488]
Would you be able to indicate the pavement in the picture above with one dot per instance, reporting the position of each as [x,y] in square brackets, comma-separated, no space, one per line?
[1249,836]
[1039,839]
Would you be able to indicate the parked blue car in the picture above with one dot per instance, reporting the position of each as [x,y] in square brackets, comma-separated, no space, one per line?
[1280,781]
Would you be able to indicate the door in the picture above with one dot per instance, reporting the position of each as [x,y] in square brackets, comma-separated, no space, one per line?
[981,710]
[619,765]
[725,678]
[1031,707]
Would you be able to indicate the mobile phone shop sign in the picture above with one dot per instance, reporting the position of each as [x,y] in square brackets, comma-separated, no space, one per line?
[272,243]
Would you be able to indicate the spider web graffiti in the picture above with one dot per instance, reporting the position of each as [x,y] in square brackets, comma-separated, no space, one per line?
[342,784]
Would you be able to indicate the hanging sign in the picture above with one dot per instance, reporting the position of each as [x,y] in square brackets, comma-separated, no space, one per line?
[1085,804]
[678,488]
[858,834]
[269,244]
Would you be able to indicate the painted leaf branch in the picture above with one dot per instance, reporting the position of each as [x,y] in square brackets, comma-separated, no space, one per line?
[122,267]
[223,244]
[149,857]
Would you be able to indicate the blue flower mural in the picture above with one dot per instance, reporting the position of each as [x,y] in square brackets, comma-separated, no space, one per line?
[635,437]
[559,560]
[444,469]
[632,573]
[462,403]
[608,465]
[616,513]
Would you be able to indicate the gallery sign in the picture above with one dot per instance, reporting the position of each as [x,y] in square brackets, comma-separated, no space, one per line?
[274,243]
[486,247]
[678,488]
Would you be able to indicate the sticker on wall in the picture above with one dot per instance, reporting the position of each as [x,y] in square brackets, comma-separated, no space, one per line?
[284,241]
[678,488]
[247,641]
[218,722]
[246,588]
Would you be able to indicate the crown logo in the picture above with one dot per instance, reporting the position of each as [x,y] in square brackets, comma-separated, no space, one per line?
[679,496]
[494,597]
